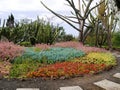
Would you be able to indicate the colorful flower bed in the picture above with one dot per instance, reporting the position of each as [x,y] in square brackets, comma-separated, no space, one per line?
[98,58]
[67,69]
[66,60]
[52,55]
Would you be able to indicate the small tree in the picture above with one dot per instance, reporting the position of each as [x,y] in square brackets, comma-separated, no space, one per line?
[10,21]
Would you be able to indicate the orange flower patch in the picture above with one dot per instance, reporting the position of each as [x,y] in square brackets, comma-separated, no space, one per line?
[66,69]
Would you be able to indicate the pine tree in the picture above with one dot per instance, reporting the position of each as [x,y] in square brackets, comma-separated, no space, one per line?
[10,21]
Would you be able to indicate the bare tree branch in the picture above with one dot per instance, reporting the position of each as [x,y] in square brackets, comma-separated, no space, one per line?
[78,15]
[93,8]
[87,8]
[67,18]
[61,17]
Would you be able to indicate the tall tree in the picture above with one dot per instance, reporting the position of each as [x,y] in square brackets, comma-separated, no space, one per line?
[107,17]
[104,24]
[78,16]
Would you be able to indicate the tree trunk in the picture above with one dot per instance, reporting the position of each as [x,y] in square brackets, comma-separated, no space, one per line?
[81,33]
[96,33]
[109,40]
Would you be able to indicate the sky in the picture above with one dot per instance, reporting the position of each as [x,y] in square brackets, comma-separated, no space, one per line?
[30,9]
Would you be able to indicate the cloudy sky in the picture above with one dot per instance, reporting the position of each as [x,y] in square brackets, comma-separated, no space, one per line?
[32,8]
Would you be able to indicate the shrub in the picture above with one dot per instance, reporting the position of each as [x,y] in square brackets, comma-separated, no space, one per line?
[53,54]
[80,46]
[26,44]
[61,54]
[19,70]
[42,46]
[71,44]
[88,49]
[116,39]
[4,68]
[8,51]
[34,49]
[99,58]
[68,37]
[66,69]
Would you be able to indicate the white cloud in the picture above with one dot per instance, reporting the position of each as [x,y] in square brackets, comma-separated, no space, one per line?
[19,5]
[30,5]
[32,8]
[56,5]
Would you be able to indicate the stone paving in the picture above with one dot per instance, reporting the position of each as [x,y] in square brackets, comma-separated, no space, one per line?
[105,84]
[117,75]
[116,54]
[71,88]
[108,85]
[27,89]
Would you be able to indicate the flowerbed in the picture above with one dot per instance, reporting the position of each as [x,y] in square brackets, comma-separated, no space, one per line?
[66,60]
[19,70]
[67,69]
[98,58]
[52,55]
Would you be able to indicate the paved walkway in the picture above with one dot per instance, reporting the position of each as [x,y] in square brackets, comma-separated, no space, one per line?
[105,84]
[109,85]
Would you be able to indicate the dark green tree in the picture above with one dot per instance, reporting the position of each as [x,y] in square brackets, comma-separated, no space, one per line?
[10,21]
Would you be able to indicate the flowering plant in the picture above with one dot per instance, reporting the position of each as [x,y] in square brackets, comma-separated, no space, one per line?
[66,69]
[8,51]
[80,46]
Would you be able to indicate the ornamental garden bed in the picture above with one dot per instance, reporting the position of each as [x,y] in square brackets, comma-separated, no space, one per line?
[62,60]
